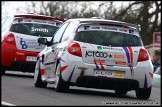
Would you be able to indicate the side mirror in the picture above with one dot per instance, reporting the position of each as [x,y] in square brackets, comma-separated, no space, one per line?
[42,41]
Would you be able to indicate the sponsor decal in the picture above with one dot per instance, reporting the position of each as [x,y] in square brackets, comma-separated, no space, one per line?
[99,61]
[120,63]
[86,27]
[123,30]
[23,43]
[110,55]
[95,27]
[20,20]
[131,31]
[40,21]
[99,47]
[39,29]
[30,43]
[110,48]
[96,54]
[118,56]
[58,24]
[109,28]
[82,70]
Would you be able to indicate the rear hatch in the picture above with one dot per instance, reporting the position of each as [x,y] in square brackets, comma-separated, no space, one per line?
[27,31]
[109,45]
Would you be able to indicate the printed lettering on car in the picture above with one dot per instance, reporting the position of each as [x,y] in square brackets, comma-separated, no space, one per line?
[118,56]
[96,54]
[39,29]
[29,43]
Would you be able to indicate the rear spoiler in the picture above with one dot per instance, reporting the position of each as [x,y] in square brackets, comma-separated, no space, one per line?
[35,16]
[111,22]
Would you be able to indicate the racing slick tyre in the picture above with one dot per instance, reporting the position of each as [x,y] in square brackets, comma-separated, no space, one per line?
[37,77]
[60,85]
[143,93]
[121,92]
[3,70]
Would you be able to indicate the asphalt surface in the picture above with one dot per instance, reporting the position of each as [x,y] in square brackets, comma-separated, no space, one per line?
[18,89]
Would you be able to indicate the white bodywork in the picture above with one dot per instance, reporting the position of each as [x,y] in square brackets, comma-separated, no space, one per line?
[96,60]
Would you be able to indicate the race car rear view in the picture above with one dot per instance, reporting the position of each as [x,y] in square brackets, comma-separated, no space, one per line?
[95,53]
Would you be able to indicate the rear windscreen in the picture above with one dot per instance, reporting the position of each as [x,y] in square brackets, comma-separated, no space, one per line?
[108,38]
[34,29]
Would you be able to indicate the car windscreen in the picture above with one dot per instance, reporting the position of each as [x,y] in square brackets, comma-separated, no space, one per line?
[108,38]
[34,29]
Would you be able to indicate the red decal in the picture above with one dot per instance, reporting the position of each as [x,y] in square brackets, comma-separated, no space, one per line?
[42,71]
[120,63]
[151,74]
[63,68]
[102,67]
[99,61]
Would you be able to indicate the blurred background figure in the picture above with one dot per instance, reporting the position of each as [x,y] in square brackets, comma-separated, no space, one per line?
[156,62]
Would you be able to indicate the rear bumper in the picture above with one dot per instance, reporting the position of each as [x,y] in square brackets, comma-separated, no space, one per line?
[107,83]
[23,66]
[14,59]
[142,73]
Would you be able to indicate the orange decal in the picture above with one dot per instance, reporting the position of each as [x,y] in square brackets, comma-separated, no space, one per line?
[118,56]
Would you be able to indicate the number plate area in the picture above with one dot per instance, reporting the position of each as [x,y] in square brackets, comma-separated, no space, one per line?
[108,73]
[31,58]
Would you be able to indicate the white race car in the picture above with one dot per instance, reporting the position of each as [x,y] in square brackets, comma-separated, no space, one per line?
[95,53]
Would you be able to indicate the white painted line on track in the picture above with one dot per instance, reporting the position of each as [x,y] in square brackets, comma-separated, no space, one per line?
[7,104]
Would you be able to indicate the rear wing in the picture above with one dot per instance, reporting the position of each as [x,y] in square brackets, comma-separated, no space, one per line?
[39,17]
[111,22]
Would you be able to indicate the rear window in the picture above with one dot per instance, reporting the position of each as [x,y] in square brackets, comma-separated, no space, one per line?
[108,38]
[34,29]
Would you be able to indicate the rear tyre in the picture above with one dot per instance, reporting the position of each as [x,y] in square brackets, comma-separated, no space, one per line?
[60,85]
[37,77]
[143,93]
[121,92]
[3,70]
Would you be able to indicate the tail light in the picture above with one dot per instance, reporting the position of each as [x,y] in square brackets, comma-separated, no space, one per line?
[143,55]
[74,49]
[9,38]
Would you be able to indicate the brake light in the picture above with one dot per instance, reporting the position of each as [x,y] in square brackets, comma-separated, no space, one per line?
[143,55]
[74,49]
[9,38]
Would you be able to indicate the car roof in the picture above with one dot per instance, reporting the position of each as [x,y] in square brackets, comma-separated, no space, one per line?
[98,20]
[36,16]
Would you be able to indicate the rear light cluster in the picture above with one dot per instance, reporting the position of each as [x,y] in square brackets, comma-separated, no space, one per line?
[9,38]
[74,49]
[143,55]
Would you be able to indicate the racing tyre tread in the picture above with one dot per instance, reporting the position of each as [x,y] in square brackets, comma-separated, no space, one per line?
[62,85]
[39,82]
[143,93]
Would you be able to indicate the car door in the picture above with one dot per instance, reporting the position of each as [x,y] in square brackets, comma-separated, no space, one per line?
[50,57]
